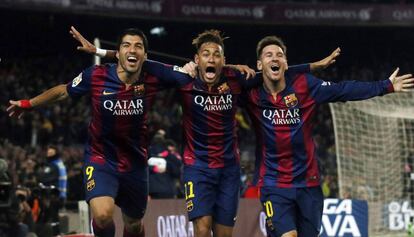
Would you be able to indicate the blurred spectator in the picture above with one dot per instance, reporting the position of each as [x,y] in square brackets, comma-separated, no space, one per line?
[53,172]
[15,215]
[25,213]
[248,188]
[165,167]
[326,186]
[45,205]
[172,149]
[251,190]
[407,180]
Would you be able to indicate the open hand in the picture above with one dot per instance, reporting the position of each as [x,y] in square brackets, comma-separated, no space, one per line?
[17,108]
[191,69]
[87,46]
[403,83]
[244,69]
[326,62]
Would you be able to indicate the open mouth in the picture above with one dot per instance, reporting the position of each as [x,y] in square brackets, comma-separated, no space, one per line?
[132,59]
[210,72]
[275,68]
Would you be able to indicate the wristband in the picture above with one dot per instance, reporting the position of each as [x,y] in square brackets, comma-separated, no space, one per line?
[100,52]
[25,104]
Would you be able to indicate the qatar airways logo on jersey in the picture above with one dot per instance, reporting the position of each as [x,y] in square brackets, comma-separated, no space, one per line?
[124,107]
[214,102]
[282,116]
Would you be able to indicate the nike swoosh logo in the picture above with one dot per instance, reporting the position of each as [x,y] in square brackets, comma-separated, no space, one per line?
[108,93]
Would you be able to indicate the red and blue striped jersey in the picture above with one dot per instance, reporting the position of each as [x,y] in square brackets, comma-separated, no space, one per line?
[118,132]
[209,124]
[210,138]
[285,150]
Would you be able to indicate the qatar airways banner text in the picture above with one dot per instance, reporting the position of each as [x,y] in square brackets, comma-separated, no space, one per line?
[232,11]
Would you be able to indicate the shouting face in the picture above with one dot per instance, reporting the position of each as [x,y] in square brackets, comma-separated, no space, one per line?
[210,60]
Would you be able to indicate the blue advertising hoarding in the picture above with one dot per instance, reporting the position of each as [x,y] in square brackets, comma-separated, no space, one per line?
[345,218]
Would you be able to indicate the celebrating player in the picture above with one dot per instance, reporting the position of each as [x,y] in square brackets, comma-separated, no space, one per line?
[282,110]
[115,162]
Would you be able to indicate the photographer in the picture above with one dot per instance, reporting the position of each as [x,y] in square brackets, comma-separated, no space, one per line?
[52,191]
[13,207]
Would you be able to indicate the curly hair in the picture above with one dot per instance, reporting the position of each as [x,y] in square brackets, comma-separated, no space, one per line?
[209,36]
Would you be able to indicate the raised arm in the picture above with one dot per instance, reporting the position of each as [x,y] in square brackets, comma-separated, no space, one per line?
[88,47]
[315,66]
[18,107]
[326,62]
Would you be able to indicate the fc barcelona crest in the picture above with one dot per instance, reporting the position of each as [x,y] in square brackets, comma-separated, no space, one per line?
[269,224]
[223,88]
[190,205]
[139,89]
[90,185]
[290,100]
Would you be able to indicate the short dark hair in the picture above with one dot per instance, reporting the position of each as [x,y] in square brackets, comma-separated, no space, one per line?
[209,36]
[269,40]
[53,146]
[133,31]
[170,142]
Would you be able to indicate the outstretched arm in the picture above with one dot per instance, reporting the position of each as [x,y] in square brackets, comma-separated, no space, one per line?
[88,47]
[168,75]
[356,90]
[18,107]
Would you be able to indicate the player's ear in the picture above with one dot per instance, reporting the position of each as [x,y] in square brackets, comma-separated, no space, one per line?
[196,59]
[117,55]
[224,60]
[259,65]
[145,56]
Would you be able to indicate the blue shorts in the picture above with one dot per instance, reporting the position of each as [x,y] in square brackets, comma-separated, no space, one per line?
[129,189]
[212,192]
[290,209]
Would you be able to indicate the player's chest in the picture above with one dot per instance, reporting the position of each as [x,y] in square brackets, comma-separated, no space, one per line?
[119,90]
[284,109]
[121,100]
[199,101]
[284,100]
